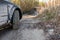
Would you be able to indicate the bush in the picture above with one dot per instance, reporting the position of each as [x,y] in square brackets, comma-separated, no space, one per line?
[16,2]
[28,4]
[42,4]
[50,13]
[25,5]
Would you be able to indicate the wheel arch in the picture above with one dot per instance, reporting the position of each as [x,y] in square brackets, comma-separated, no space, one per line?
[20,13]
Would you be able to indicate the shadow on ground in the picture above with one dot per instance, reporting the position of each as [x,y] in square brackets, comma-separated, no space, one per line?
[4,32]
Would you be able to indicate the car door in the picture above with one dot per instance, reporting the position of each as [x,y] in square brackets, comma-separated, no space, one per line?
[3,13]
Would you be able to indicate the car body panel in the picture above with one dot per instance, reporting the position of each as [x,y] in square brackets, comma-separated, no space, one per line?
[3,13]
[6,11]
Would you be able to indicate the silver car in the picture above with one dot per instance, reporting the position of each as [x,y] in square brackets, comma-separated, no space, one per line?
[10,14]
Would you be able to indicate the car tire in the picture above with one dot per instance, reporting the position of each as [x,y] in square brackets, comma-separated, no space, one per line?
[15,21]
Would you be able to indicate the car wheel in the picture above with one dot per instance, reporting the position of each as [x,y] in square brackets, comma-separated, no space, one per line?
[16,19]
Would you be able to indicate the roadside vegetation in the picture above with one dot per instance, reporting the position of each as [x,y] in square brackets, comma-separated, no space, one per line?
[26,5]
[50,13]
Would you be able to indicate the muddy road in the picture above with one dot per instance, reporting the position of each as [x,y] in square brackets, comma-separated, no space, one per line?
[28,31]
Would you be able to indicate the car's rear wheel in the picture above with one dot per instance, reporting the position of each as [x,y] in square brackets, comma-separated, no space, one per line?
[15,21]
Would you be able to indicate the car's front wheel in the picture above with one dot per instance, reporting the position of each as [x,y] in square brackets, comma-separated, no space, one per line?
[15,21]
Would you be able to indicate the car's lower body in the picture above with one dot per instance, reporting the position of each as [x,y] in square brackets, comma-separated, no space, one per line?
[14,22]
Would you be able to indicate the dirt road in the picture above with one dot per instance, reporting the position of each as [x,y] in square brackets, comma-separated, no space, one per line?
[27,31]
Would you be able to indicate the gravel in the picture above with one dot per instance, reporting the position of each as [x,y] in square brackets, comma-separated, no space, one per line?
[31,29]
[27,31]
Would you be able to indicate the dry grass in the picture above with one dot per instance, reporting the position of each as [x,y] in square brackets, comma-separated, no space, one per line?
[25,4]
[50,13]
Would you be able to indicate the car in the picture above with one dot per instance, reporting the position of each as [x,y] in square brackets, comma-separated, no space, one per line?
[10,14]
